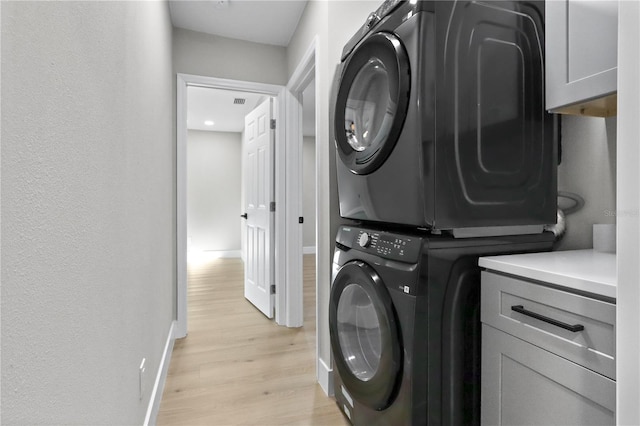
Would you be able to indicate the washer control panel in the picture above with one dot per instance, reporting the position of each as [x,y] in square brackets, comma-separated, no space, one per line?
[384,244]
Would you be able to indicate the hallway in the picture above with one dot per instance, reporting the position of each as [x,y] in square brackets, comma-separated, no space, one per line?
[238,367]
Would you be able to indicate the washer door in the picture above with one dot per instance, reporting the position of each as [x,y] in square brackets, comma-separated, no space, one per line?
[372,102]
[364,335]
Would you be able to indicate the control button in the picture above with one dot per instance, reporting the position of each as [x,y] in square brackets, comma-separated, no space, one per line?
[372,20]
[364,240]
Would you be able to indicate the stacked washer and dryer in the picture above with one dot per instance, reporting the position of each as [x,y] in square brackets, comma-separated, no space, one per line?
[444,153]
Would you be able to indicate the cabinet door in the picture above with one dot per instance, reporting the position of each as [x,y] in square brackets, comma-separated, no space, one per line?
[525,385]
[581,56]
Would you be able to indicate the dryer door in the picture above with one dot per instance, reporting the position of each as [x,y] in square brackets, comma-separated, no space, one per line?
[364,335]
[372,102]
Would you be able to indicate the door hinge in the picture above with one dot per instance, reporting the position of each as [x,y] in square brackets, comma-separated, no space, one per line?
[273,289]
[273,123]
[301,219]
[272,206]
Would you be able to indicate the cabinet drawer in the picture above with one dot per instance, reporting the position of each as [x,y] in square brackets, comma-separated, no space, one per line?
[525,385]
[593,347]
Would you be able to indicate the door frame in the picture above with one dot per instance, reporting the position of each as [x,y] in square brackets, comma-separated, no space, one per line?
[304,74]
[280,263]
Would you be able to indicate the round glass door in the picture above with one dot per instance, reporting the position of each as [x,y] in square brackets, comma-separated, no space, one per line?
[372,103]
[359,332]
[364,335]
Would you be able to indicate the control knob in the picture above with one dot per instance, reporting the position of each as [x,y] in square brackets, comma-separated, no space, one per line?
[364,240]
[372,20]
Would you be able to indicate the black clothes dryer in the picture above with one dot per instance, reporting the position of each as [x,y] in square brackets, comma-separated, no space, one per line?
[439,117]
[404,323]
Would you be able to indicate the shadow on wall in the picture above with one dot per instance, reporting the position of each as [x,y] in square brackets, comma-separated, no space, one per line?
[588,169]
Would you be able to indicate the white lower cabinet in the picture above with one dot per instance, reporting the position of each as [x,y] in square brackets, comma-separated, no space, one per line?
[523,384]
[549,361]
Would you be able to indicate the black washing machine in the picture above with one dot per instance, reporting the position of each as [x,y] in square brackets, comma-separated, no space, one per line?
[439,117]
[404,322]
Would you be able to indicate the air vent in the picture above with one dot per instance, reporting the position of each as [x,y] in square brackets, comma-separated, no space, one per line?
[239,101]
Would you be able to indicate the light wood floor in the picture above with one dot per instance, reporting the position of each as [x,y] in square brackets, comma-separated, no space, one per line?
[236,367]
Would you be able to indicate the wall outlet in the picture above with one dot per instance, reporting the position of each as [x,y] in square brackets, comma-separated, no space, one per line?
[141,377]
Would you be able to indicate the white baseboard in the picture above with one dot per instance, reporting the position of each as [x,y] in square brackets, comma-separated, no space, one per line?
[325,377]
[309,250]
[225,253]
[161,377]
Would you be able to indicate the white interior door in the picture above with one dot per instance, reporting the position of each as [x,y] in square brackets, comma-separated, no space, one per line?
[259,194]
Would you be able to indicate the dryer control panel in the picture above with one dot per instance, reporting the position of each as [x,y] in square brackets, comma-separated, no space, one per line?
[388,245]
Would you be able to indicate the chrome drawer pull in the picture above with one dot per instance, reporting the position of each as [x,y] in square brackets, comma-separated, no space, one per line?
[520,309]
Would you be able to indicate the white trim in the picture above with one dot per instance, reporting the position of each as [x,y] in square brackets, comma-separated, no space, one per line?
[226,253]
[300,79]
[225,83]
[627,223]
[305,71]
[219,254]
[325,377]
[183,81]
[309,250]
[294,299]
[161,378]
[181,206]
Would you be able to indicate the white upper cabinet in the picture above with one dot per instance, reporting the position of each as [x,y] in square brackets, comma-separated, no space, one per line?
[581,56]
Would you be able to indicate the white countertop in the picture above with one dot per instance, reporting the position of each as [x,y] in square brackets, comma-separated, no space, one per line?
[584,270]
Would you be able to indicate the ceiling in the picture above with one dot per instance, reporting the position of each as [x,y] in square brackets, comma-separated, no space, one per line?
[260,21]
[218,106]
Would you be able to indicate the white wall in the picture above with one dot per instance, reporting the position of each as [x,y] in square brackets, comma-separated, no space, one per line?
[88,222]
[588,169]
[214,206]
[214,56]
[309,191]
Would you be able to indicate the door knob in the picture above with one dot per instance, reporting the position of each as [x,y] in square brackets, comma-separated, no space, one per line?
[243,215]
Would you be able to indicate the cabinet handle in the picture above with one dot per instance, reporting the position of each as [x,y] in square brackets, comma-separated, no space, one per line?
[575,328]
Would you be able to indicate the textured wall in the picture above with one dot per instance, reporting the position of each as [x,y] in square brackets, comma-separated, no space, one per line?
[221,57]
[88,207]
[214,162]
